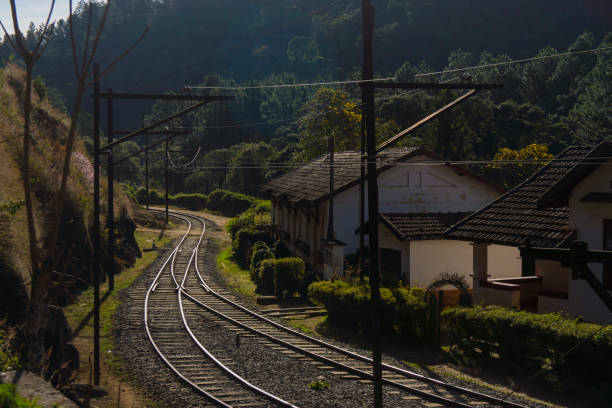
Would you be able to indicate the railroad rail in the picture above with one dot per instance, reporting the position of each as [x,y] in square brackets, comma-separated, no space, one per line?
[166,325]
[194,290]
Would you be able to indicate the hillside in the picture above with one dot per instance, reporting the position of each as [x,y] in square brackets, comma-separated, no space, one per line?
[311,39]
[50,127]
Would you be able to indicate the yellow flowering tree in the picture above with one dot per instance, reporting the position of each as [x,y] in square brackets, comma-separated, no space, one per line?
[329,113]
[522,163]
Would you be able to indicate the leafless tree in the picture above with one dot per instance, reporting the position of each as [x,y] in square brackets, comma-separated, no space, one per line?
[43,260]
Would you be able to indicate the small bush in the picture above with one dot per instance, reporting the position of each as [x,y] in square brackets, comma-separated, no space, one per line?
[319,385]
[245,239]
[533,340]
[281,250]
[265,277]
[288,277]
[246,220]
[229,203]
[260,251]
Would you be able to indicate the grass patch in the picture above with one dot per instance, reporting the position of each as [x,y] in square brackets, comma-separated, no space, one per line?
[238,279]
[79,314]
[10,399]
[308,325]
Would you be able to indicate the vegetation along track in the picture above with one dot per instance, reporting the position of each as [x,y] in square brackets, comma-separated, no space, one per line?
[181,293]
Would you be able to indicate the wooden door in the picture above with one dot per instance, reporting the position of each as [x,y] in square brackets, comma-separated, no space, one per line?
[391,262]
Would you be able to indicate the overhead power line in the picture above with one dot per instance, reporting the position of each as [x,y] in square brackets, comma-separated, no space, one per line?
[497,64]
[241,88]
[426,163]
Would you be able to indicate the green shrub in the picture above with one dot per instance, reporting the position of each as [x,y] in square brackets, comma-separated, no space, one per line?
[245,239]
[246,220]
[260,251]
[10,399]
[194,201]
[265,276]
[281,250]
[229,203]
[348,305]
[288,277]
[533,340]
[155,197]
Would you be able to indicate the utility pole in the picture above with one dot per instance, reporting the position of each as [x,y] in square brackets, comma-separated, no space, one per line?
[111,199]
[330,213]
[370,128]
[96,225]
[146,170]
[166,179]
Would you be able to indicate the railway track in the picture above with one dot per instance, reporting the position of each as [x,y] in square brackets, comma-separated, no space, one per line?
[183,295]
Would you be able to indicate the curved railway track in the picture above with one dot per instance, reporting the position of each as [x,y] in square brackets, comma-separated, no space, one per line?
[182,294]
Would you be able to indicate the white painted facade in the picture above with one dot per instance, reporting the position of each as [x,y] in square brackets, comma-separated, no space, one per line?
[406,188]
[587,219]
[557,291]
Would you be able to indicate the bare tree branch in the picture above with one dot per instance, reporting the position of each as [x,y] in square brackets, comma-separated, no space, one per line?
[8,37]
[44,32]
[18,35]
[99,33]
[123,55]
[86,45]
[73,42]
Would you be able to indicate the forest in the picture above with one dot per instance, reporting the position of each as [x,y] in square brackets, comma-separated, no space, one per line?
[555,102]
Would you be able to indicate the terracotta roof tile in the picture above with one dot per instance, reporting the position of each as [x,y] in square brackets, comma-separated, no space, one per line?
[515,218]
[418,226]
[310,182]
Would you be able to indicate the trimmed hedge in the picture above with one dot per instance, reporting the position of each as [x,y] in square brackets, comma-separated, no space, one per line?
[265,276]
[245,239]
[535,340]
[284,277]
[193,201]
[405,312]
[229,203]
[260,251]
[289,276]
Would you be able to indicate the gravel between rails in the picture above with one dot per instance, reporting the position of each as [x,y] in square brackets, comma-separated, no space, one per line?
[287,377]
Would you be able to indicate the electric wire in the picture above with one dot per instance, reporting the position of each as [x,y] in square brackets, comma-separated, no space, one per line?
[307,84]
[497,64]
[339,163]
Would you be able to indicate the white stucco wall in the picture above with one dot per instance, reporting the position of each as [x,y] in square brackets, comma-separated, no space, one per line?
[411,189]
[555,277]
[504,262]
[587,219]
[430,258]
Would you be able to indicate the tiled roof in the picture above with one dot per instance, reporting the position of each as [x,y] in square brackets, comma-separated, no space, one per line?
[310,182]
[558,193]
[515,219]
[421,226]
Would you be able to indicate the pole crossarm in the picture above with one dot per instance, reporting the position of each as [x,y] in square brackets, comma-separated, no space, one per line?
[422,122]
[564,255]
[167,97]
[144,149]
[154,125]
[156,132]
[431,85]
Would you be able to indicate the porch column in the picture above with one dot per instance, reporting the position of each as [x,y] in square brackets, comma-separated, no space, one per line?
[480,268]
